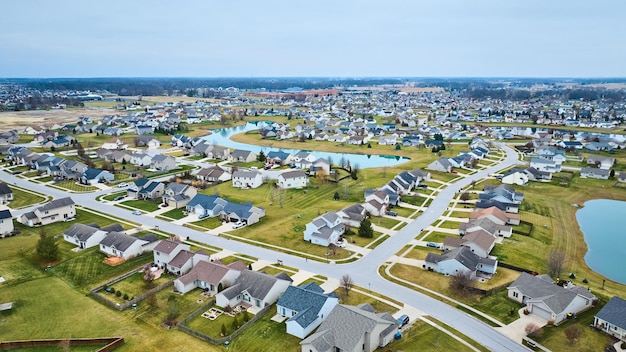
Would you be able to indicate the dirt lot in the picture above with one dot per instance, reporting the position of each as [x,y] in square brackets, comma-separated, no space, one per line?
[21,119]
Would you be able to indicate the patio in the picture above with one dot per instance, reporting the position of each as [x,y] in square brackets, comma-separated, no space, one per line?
[212,313]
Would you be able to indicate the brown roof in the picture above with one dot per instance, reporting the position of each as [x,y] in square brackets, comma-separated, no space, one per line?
[180,259]
[500,214]
[209,272]
[452,241]
[166,246]
[482,238]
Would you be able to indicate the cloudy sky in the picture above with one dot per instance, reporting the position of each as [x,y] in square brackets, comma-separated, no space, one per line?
[295,38]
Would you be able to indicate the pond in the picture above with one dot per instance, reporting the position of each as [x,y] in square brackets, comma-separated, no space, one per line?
[222,137]
[602,225]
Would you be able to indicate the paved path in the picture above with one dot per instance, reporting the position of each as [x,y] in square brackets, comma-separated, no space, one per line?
[364,271]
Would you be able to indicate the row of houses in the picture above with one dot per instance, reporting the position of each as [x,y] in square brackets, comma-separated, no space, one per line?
[480,149]
[306,307]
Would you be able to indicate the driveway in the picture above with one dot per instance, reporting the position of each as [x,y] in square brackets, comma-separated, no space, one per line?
[516,330]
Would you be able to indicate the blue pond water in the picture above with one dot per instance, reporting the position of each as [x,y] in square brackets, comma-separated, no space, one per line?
[602,223]
[222,137]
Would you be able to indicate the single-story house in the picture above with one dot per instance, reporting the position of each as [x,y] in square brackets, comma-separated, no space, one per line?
[612,318]
[209,276]
[461,259]
[590,172]
[254,288]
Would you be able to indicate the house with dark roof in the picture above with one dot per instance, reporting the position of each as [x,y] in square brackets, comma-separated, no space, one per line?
[601,162]
[292,179]
[177,195]
[210,276]
[487,225]
[166,250]
[84,236]
[306,307]
[279,157]
[548,300]
[352,215]
[213,174]
[479,242]
[211,206]
[611,319]
[504,206]
[242,156]
[93,176]
[352,328]
[545,165]
[6,222]
[6,194]
[252,288]
[144,188]
[121,245]
[57,210]
[461,259]
[325,229]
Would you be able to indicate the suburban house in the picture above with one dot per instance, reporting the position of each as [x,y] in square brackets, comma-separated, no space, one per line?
[496,216]
[536,175]
[85,236]
[601,162]
[121,245]
[479,242]
[209,276]
[178,195]
[213,174]
[279,158]
[176,257]
[442,164]
[352,215]
[485,224]
[243,156]
[144,188]
[6,194]
[245,179]
[352,328]
[548,300]
[515,177]
[590,172]
[140,159]
[166,250]
[546,165]
[163,162]
[325,229]
[461,259]
[319,165]
[612,318]
[253,288]
[502,193]
[292,179]
[211,206]
[55,211]
[6,222]
[505,206]
[306,307]
[93,176]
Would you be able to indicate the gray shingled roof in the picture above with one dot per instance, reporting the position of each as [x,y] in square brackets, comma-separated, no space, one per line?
[81,231]
[345,327]
[120,241]
[4,188]
[257,284]
[614,312]
[306,300]
[57,203]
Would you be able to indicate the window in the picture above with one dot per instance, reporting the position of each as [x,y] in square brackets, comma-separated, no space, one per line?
[515,294]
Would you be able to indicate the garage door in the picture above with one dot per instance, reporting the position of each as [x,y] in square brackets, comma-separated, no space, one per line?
[540,312]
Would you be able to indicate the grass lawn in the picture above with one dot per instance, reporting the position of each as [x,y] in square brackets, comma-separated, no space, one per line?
[112,196]
[499,306]
[387,223]
[86,270]
[133,286]
[174,214]
[266,335]
[355,298]
[145,205]
[404,212]
[213,328]
[73,186]
[206,223]
[22,199]
[438,237]
[423,337]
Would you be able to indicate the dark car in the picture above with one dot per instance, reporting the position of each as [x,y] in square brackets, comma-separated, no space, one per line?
[422,185]
[403,320]
[432,244]
[391,213]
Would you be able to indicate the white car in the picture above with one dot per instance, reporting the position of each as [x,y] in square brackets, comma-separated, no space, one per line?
[137,212]
[340,244]
[238,224]
[122,185]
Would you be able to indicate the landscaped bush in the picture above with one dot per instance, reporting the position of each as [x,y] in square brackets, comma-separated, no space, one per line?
[126,296]
[118,293]
[623,346]
[585,281]
[112,290]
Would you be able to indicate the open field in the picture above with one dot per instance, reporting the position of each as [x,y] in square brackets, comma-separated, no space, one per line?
[20,119]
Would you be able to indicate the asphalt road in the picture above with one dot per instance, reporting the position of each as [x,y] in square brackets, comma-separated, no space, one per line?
[364,272]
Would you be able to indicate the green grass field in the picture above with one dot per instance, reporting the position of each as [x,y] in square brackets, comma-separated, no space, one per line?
[145,205]
[22,199]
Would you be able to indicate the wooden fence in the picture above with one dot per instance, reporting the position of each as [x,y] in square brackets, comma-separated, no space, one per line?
[110,343]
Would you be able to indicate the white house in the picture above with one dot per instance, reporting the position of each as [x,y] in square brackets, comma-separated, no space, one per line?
[121,245]
[6,222]
[305,308]
[545,165]
[517,177]
[245,179]
[292,179]
[612,318]
[84,236]
[461,260]
[254,288]
[442,164]
[325,229]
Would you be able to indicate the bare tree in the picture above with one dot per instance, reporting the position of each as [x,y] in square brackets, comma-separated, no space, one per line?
[465,196]
[572,333]
[531,329]
[461,282]
[332,248]
[347,283]
[556,263]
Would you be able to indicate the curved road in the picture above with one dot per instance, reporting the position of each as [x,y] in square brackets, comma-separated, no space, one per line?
[364,271]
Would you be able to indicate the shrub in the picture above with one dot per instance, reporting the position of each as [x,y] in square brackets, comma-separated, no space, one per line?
[572,275]
[112,290]
[126,296]
[118,293]
[623,346]
[223,330]
[585,281]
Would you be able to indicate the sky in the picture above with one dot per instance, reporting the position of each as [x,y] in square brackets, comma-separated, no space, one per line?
[323,38]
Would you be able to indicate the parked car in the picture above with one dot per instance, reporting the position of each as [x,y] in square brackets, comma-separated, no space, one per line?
[454,172]
[238,224]
[340,244]
[122,185]
[391,213]
[137,212]
[432,244]
[119,198]
[403,320]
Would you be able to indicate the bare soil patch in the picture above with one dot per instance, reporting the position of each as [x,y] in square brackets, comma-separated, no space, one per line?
[19,120]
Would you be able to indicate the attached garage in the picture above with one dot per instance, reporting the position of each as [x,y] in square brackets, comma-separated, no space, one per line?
[541,312]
